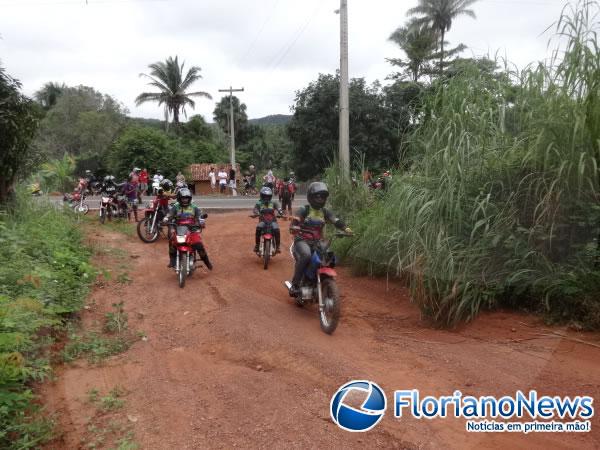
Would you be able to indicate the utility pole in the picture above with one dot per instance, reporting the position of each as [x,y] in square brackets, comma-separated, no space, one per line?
[231,128]
[344,140]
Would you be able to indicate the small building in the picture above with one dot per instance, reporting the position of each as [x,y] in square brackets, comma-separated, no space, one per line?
[201,181]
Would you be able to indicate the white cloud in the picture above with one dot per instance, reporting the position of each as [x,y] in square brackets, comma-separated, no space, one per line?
[270,47]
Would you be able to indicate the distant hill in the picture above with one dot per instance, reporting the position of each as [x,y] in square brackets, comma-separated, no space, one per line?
[152,123]
[275,119]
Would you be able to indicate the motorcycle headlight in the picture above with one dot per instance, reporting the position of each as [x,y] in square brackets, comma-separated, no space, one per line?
[181,239]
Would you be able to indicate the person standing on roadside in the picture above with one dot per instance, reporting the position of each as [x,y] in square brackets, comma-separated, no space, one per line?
[213,179]
[232,182]
[222,175]
[143,182]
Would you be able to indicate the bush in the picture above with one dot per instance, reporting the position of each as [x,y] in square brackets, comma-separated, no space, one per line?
[44,274]
[501,202]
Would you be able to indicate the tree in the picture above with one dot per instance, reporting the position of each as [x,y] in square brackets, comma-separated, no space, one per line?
[83,122]
[314,127]
[19,118]
[438,16]
[147,147]
[49,93]
[222,111]
[168,77]
[419,45]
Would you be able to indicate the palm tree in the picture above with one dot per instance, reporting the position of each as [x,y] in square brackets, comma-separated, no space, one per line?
[419,45]
[438,15]
[168,77]
[49,93]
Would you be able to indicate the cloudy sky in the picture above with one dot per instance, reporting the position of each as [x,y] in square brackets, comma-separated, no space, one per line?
[270,47]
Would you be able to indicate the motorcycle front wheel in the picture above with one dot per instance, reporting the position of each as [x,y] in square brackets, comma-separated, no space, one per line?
[330,315]
[266,253]
[183,267]
[145,231]
[81,209]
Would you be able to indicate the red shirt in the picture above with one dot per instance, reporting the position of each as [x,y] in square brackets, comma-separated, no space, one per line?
[144,177]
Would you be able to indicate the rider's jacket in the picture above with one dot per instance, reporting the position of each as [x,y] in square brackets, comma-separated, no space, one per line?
[180,213]
[312,221]
[267,208]
[109,189]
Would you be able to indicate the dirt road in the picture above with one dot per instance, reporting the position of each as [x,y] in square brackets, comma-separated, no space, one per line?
[229,361]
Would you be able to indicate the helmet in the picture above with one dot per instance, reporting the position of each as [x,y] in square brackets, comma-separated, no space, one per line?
[87,172]
[184,197]
[166,184]
[136,169]
[291,173]
[317,194]
[266,194]
[251,167]
[109,179]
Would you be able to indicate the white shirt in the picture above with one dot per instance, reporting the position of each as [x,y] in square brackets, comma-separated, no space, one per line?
[213,178]
[222,177]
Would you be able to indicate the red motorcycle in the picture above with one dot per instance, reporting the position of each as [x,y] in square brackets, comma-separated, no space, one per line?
[183,239]
[150,227]
[76,200]
[266,248]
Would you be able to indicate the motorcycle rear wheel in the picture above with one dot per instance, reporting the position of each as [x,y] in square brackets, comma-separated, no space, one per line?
[145,231]
[330,316]
[183,267]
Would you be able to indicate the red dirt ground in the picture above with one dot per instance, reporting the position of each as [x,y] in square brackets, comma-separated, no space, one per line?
[231,362]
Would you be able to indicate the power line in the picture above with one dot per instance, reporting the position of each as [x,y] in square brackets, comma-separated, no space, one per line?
[298,34]
[267,19]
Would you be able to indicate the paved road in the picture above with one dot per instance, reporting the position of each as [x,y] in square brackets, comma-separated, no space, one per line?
[204,201]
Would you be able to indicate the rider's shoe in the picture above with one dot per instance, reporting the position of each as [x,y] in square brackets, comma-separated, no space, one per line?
[171,263]
[208,264]
[294,290]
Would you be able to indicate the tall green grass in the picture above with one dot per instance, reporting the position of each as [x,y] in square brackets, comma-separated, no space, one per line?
[44,275]
[501,204]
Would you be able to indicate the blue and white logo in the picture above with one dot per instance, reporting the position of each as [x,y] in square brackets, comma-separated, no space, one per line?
[370,412]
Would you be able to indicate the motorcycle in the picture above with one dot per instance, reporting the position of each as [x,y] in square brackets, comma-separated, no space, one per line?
[182,240]
[318,283]
[108,208]
[150,227]
[266,248]
[75,200]
[95,188]
[123,211]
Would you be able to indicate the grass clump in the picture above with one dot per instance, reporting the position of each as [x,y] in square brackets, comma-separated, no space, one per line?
[501,203]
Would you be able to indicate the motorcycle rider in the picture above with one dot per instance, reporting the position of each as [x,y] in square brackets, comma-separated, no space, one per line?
[184,209]
[311,218]
[129,190]
[164,194]
[109,186]
[266,206]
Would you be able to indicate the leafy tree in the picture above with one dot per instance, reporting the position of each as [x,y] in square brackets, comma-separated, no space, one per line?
[438,16]
[19,118]
[168,77]
[49,93]
[147,147]
[314,126]
[222,111]
[83,122]
[200,139]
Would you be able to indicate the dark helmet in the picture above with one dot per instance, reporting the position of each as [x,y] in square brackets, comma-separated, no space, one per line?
[184,197]
[317,194]
[266,194]
[109,179]
[166,184]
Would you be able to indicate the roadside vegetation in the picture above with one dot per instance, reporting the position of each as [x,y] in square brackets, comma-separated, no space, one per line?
[499,205]
[44,279]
